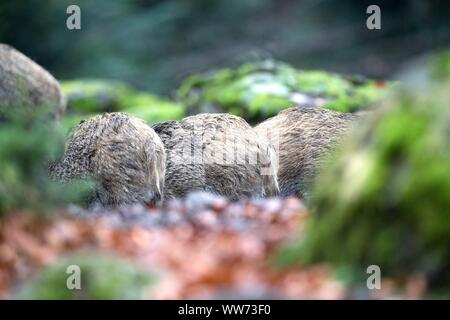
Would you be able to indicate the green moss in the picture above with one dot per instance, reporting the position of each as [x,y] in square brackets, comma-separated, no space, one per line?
[257,91]
[88,97]
[152,109]
[384,198]
[441,66]
[103,277]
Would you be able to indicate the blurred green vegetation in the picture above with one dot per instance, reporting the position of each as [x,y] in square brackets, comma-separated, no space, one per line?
[29,140]
[440,68]
[384,198]
[87,97]
[103,277]
[257,91]
[155,44]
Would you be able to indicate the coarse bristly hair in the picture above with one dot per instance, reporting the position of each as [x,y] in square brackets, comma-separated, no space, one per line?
[122,153]
[303,134]
[218,153]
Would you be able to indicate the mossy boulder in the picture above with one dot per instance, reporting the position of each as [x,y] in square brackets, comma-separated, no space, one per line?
[256,91]
[103,277]
[25,84]
[92,96]
[384,199]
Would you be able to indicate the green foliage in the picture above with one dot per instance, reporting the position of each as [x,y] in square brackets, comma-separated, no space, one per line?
[153,44]
[88,97]
[103,277]
[440,68]
[384,199]
[28,141]
[152,109]
[257,91]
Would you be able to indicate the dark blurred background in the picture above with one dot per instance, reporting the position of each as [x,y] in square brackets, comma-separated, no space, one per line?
[155,44]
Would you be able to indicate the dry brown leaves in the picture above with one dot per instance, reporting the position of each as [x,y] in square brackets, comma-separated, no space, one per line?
[201,247]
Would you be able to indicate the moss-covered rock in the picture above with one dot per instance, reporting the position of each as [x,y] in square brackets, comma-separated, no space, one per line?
[25,84]
[91,96]
[103,277]
[257,91]
[384,199]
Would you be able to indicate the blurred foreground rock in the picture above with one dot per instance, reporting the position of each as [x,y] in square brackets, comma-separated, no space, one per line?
[101,277]
[384,198]
[25,84]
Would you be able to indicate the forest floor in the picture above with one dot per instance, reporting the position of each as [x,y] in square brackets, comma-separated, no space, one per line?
[199,247]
